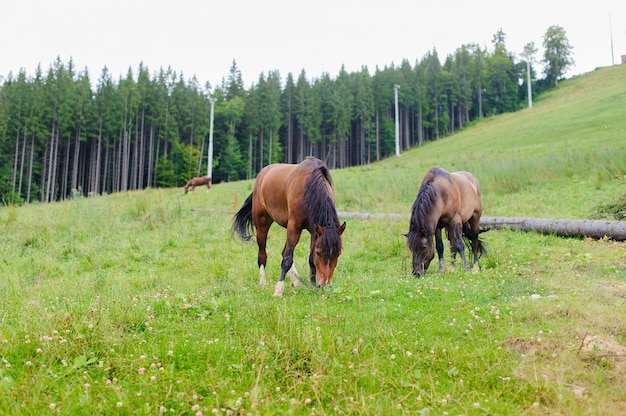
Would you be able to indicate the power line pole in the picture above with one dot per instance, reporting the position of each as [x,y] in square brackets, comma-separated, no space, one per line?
[395,87]
[210,154]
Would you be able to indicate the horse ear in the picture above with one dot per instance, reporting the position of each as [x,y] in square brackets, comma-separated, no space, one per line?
[406,235]
[341,228]
[319,230]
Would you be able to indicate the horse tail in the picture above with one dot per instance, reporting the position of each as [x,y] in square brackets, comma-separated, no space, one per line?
[242,223]
[468,234]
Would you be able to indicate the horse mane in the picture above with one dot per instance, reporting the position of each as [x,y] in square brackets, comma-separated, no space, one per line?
[321,208]
[424,204]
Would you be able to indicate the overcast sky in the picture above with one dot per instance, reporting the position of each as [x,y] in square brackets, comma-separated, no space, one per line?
[202,38]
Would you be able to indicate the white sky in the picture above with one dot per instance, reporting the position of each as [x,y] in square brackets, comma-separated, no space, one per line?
[203,37]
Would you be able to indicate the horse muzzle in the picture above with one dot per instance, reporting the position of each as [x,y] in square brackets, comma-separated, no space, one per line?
[419,270]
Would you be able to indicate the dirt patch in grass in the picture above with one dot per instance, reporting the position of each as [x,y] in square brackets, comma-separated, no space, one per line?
[596,348]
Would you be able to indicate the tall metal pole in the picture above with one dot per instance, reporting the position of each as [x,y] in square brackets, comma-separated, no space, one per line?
[611,30]
[395,87]
[210,154]
[529,88]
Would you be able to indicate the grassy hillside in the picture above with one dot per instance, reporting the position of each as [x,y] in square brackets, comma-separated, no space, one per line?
[142,303]
[562,158]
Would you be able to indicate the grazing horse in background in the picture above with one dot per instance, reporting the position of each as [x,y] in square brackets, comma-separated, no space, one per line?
[199,181]
[297,197]
[449,200]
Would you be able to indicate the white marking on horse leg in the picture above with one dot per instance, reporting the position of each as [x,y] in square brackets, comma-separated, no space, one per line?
[476,269]
[280,288]
[293,275]
[442,265]
[262,281]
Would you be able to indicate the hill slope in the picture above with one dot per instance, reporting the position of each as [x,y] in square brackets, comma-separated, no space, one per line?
[563,158]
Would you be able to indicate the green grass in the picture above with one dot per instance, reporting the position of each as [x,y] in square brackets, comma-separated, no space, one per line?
[142,303]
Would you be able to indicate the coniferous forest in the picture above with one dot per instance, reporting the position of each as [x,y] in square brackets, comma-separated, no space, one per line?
[63,133]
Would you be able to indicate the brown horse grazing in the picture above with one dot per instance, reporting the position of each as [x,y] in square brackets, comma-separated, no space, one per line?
[199,181]
[449,200]
[297,197]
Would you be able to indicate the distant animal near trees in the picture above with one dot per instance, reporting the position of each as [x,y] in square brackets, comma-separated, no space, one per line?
[199,181]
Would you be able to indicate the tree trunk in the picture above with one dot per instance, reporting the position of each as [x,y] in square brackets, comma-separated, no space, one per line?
[17,147]
[75,164]
[615,230]
[30,167]
[19,188]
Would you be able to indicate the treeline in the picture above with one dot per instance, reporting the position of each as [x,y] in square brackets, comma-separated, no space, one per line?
[60,136]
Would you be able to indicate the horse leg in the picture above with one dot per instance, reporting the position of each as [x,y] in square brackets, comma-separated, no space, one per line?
[311,262]
[293,236]
[449,236]
[458,240]
[439,246]
[474,228]
[261,239]
[294,276]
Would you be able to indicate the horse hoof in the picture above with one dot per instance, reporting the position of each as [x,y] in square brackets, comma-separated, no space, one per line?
[279,289]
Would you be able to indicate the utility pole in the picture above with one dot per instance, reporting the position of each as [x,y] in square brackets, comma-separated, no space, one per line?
[395,87]
[527,54]
[529,88]
[210,154]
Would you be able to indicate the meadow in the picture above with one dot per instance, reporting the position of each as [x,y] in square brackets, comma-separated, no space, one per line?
[144,303]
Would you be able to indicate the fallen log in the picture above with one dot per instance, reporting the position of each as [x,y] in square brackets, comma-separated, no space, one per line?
[369,216]
[615,230]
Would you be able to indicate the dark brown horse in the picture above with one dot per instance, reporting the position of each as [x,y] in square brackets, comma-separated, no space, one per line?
[445,200]
[199,181]
[297,197]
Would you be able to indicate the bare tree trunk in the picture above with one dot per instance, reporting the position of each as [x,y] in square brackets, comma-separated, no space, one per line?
[17,147]
[565,228]
[420,128]
[44,173]
[30,167]
[378,156]
[75,164]
[66,171]
[50,166]
[451,125]
[407,129]
[142,144]
[301,145]
[96,179]
[19,188]
[150,156]
[261,150]
[249,154]
[55,163]
[105,172]
[269,153]
[289,135]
